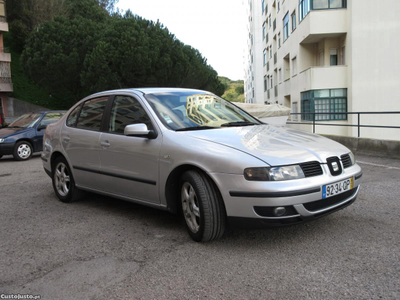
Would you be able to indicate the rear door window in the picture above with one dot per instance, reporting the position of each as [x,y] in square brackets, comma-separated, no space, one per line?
[92,114]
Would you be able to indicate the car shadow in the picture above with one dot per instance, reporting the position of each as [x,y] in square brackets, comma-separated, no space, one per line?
[172,224]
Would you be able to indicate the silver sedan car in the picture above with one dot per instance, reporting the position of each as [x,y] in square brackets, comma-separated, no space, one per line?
[191,152]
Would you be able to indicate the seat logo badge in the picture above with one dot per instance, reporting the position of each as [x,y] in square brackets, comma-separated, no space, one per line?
[335,166]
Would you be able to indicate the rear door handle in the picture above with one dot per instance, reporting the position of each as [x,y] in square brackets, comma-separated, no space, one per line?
[66,138]
[105,144]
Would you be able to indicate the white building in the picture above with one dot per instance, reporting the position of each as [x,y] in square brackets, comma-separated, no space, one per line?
[327,56]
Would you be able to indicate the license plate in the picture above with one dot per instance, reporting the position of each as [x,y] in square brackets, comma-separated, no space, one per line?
[337,188]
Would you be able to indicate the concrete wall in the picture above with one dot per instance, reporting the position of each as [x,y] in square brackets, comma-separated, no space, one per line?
[13,108]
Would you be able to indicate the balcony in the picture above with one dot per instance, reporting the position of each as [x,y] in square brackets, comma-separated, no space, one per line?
[3,24]
[317,78]
[5,55]
[6,84]
[320,24]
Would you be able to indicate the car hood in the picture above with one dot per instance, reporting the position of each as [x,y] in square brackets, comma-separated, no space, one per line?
[274,145]
[5,132]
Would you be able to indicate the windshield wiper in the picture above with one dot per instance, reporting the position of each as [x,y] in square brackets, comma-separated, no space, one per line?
[195,128]
[241,123]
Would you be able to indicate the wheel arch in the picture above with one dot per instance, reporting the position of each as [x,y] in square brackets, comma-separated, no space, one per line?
[25,139]
[54,156]
[172,188]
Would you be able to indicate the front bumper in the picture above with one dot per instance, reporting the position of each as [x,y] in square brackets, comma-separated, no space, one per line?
[253,203]
[6,148]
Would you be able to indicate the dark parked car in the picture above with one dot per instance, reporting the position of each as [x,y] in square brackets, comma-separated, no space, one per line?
[24,136]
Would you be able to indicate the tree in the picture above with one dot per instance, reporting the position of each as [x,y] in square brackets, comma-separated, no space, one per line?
[239,89]
[25,16]
[54,54]
[135,52]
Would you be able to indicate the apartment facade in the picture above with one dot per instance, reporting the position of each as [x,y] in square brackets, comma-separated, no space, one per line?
[330,56]
[5,64]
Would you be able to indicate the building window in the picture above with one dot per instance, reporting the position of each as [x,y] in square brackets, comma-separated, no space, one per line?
[264,30]
[279,39]
[265,57]
[304,9]
[271,85]
[328,4]
[263,5]
[269,21]
[334,56]
[286,27]
[328,102]
[265,83]
[293,21]
[270,52]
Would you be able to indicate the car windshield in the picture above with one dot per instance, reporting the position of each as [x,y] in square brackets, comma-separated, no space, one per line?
[181,111]
[25,121]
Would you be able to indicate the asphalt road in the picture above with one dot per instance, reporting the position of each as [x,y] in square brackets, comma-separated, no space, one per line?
[102,248]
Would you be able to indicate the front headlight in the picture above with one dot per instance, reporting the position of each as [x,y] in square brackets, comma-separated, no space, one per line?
[2,140]
[352,158]
[274,174]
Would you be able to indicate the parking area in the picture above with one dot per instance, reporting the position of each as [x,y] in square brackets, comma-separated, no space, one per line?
[103,248]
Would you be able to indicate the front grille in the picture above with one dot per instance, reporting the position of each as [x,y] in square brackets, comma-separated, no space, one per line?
[346,161]
[312,168]
[324,203]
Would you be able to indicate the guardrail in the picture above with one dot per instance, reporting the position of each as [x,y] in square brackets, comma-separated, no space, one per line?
[359,125]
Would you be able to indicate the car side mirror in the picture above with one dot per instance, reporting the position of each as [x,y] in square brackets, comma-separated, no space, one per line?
[41,127]
[139,130]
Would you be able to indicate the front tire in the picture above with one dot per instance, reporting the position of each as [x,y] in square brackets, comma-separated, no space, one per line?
[63,181]
[22,150]
[202,207]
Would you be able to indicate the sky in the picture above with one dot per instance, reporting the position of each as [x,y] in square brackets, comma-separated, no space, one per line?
[216,28]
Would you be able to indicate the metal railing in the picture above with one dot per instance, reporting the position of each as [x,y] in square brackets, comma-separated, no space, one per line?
[359,125]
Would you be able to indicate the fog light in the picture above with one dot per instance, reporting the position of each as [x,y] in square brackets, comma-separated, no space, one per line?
[279,211]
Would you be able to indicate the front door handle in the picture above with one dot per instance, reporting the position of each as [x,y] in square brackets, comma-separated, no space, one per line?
[105,144]
[66,138]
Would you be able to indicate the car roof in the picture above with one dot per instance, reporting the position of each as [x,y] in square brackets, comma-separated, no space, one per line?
[149,90]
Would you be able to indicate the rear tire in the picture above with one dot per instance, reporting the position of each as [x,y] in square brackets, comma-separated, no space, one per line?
[63,181]
[22,150]
[202,207]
